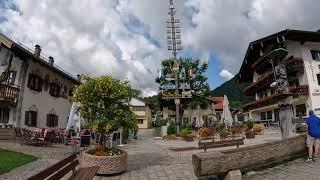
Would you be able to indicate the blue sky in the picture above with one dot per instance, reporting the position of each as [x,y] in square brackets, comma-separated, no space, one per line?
[127,38]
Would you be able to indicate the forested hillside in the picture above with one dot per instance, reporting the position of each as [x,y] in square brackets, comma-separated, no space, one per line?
[233,90]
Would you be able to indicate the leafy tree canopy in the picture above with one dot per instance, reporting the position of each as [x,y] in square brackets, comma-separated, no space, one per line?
[197,80]
[104,102]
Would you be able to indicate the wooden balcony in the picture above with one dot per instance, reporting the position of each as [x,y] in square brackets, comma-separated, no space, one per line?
[293,65]
[296,90]
[9,94]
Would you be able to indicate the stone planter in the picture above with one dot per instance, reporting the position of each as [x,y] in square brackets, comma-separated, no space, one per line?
[164,130]
[250,134]
[188,138]
[107,164]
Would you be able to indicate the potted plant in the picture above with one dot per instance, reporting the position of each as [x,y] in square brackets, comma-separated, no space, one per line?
[186,133]
[163,126]
[104,104]
[223,134]
[249,131]
[171,131]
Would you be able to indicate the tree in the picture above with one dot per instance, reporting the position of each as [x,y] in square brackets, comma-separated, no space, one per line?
[104,103]
[192,72]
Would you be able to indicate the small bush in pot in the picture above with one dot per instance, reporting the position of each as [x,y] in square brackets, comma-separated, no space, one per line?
[249,131]
[172,128]
[223,134]
[104,104]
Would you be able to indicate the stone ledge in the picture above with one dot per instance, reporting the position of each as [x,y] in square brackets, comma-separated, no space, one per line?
[249,158]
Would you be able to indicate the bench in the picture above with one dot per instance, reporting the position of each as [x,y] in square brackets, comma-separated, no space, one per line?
[60,169]
[218,144]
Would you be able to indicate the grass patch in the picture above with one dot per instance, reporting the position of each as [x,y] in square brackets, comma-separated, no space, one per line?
[11,159]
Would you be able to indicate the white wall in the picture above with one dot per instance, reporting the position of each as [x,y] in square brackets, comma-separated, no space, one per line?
[312,69]
[43,101]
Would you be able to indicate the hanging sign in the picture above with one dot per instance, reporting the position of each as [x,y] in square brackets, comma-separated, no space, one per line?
[184,86]
[186,94]
[182,74]
[160,71]
[168,86]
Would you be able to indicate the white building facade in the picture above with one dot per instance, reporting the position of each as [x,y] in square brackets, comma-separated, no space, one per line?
[33,91]
[303,69]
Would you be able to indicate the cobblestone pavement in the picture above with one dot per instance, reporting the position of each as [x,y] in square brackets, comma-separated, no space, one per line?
[151,158]
[293,170]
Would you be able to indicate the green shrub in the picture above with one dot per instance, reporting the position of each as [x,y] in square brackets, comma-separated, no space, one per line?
[223,133]
[157,131]
[185,132]
[125,132]
[163,122]
[172,128]
[250,123]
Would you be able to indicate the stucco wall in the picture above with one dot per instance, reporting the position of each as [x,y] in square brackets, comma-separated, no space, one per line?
[43,101]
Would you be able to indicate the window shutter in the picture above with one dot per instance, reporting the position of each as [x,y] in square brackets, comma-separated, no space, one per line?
[13,78]
[26,121]
[6,115]
[29,80]
[34,119]
[55,120]
[40,84]
[48,120]
[51,89]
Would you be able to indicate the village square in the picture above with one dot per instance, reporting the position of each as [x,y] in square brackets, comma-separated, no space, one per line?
[139,90]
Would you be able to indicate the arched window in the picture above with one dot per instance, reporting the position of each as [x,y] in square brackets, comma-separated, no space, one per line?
[31,116]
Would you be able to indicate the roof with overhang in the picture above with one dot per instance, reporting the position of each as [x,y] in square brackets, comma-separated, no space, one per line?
[253,51]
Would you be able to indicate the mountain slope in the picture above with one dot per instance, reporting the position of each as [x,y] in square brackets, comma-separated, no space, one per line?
[233,90]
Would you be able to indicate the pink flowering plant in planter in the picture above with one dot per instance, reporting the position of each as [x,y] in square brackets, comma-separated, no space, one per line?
[105,105]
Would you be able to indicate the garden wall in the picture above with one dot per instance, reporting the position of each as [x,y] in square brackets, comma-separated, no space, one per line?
[249,158]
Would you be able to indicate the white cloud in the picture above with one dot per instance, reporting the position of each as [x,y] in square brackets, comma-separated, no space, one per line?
[127,38]
[226,75]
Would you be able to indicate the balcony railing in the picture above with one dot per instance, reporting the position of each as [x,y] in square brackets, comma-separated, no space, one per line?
[9,93]
[293,66]
[295,90]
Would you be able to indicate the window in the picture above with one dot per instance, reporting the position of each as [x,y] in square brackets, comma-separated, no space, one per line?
[262,95]
[52,120]
[301,110]
[269,115]
[4,115]
[262,116]
[11,77]
[318,77]
[35,82]
[54,90]
[31,118]
[315,55]
[138,108]
[140,121]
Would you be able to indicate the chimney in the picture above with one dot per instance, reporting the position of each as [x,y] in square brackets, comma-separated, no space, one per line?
[79,77]
[37,50]
[51,60]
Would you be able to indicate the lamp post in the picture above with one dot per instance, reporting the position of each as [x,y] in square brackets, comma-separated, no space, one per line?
[276,57]
[174,45]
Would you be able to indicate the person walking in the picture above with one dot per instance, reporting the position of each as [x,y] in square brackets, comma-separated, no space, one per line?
[313,136]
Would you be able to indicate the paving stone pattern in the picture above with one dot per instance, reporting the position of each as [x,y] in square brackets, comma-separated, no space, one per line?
[150,158]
